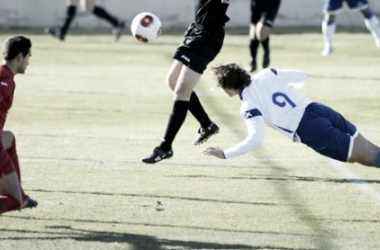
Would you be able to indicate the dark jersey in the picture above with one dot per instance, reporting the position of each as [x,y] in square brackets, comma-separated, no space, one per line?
[211,14]
[7,88]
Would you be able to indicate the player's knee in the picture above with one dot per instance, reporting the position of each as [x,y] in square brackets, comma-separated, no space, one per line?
[88,9]
[182,94]
[88,6]
[263,36]
[364,152]
[8,139]
[329,19]
[252,32]
[262,33]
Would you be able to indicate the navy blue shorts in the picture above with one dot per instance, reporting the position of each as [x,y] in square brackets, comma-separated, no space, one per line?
[334,6]
[327,132]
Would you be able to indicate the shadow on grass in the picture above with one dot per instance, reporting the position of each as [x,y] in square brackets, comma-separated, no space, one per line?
[135,241]
[284,178]
[160,226]
[157,197]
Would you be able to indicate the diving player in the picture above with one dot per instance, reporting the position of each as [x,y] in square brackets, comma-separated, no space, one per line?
[268,98]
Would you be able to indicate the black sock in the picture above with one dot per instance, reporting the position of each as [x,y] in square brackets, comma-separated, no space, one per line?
[265,45]
[266,59]
[198,112]
[102,13]
[253,49]
[71,11]
[176,120]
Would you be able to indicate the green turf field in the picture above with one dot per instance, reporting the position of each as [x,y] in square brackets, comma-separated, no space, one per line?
[89,109]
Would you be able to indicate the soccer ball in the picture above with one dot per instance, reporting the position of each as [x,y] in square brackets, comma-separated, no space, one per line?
[146,27]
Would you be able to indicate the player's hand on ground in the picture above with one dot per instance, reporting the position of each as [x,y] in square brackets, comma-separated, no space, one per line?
[218,152]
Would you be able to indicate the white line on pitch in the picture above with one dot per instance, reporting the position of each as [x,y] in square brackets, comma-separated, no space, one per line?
[361,184]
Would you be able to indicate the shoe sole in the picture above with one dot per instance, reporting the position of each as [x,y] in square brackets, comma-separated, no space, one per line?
[153,162]
[206,138]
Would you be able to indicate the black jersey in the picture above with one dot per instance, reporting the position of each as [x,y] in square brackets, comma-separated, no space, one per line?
[211,14]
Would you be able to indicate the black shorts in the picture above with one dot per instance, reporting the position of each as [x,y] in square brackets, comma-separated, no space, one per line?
[264,11]
[199,47]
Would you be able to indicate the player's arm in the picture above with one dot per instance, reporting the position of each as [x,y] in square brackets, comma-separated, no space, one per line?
[5,89]
[1,94]
[294,78]
[256,130]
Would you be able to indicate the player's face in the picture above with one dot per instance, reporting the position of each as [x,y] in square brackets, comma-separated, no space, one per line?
[24,62]
[230,92]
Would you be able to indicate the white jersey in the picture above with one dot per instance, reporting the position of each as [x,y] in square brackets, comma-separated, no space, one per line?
[270,99]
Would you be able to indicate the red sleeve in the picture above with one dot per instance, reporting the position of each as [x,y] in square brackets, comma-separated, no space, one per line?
[1,95]
[6,88]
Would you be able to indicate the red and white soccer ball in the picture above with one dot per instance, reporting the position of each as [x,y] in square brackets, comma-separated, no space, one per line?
[146,27]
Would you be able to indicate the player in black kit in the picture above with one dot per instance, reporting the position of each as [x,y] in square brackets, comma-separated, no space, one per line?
[90,7]
[203,41]
[263,14]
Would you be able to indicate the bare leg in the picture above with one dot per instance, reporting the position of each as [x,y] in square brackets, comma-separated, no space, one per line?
[262,34]
[9,143]
[262,31]
[173,74]
[87,5]
[195,106]
[364,151]
[187,80]
[10,185]
[6,139]
[10,193]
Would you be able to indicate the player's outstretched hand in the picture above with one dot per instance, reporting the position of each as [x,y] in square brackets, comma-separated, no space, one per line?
[218,152]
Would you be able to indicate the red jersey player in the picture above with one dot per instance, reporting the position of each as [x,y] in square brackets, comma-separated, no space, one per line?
[16,52]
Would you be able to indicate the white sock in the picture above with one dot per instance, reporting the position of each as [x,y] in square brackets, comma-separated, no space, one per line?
[328,33]
[373,26]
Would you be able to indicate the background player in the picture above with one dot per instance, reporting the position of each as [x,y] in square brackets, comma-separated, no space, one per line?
[268,98]
[203,41]
[16,52]
[333,7]
[90,7]
[263,14]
